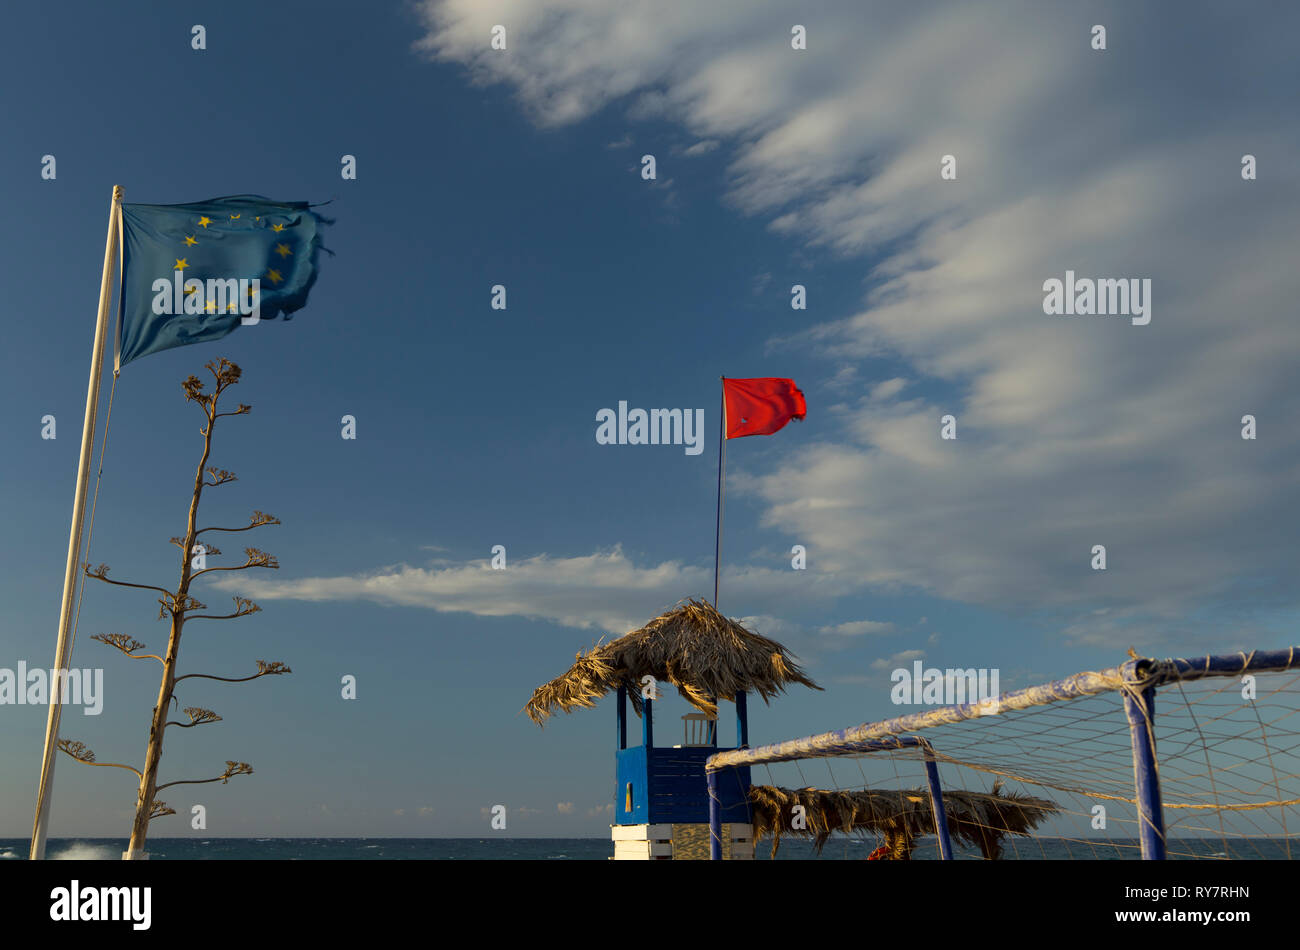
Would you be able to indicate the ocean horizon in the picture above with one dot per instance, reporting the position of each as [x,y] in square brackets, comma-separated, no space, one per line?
[599,849]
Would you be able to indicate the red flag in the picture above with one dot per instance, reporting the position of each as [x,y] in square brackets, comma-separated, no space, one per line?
[761,406]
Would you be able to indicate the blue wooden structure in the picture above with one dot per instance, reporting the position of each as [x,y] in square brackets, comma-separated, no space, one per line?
[661,796]
[667,785]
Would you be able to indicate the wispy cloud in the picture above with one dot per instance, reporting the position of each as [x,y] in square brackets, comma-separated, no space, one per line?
[897,660]
[1071,431]
[856,628]
[603,591]
[700,148]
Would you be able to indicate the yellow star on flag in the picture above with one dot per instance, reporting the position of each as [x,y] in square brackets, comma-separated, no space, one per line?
[204,221]
[283,250]
[277,227]
[181,264]
[190,240]
[273,276]
[210,306]
[233,217]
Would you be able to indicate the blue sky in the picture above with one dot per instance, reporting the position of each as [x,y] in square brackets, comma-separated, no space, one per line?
[476,426]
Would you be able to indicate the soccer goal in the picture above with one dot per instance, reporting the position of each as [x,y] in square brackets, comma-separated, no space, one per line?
[1188,758]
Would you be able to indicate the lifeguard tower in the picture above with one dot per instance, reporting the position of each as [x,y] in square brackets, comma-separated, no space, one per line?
[661,796]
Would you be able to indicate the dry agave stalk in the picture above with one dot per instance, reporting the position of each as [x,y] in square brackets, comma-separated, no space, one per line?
[179,606]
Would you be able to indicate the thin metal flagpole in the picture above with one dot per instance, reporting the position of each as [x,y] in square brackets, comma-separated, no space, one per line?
[722,462]
[61,655]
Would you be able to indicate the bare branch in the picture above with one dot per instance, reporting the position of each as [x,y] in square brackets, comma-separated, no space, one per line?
[207,548]
[170,605]
[83,755]
[232,769]
[193,388]
[256,558]
[243,607]
[259,518]
[158,809]
[190,603]
[127,645]
[219,475]
[101,573]
[238,412]
[78,750]
[263,669]
[259,558]
[198,717]
[225,373]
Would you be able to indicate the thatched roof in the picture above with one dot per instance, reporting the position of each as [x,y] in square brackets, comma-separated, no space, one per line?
[900,816]
[694,647]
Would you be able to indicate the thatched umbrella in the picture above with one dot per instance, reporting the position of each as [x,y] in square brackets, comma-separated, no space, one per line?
[900,816]
[704,654]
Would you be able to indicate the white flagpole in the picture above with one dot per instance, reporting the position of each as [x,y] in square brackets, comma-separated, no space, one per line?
[722,464]
[61,657]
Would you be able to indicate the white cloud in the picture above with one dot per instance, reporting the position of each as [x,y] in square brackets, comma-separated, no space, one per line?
[771,627]
[888,389]
[701,148]
[857,628]
[1071,431]
[565,808]
[603,591]
[897,660]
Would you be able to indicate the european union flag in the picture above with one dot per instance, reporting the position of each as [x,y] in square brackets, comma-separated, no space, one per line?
[195,272]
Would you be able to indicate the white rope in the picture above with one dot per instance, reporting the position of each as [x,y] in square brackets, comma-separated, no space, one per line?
[90,528]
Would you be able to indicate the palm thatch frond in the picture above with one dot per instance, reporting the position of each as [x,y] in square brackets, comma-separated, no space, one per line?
[704,654]
[975,818]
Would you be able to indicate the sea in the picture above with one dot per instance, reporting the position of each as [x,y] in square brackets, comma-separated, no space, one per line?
[599,849]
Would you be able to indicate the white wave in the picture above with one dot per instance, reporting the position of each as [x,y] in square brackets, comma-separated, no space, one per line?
[84,851]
